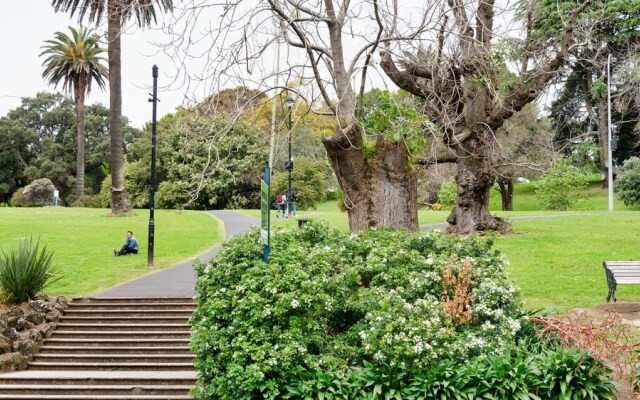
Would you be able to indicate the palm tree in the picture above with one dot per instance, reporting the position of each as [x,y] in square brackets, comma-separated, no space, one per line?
[117,13]
[75,62]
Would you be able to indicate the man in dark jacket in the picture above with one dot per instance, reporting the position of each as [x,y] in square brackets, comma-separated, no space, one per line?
[129,247]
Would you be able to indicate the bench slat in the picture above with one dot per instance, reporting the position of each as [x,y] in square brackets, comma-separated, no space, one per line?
[622,263]
[628,281]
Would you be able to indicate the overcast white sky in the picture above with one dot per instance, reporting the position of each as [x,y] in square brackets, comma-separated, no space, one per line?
[27,24]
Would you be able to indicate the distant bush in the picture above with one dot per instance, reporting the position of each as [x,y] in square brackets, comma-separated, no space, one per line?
[88,201]
[627,183]
[309,182]
[40,191]
[18,199]
[330,300]
[26,271]
[448,193]
[559,188]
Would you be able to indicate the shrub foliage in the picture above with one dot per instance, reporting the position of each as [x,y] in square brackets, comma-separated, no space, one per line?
[376,316]
[331,300]
[627,184]
[560,188]
[26,271]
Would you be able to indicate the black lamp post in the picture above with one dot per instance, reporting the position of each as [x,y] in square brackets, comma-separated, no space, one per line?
[154,100]
[289,164]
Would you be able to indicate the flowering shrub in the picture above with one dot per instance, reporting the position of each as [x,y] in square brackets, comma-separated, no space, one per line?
[333,301]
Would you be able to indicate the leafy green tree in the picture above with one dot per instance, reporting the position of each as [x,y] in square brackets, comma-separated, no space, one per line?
[116,12]
[203,162]
[526,150]
[627,184]
[40,136]
[75,62]
[15,156]
[308,180]
[580,111]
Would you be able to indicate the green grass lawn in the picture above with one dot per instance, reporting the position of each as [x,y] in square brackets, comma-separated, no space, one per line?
[558,262]
[83,240]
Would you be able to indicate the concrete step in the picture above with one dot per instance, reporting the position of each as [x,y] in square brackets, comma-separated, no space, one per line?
[107,366]
[74,390]
[131,313]
[115,350]
[100,378]
[93,397]
[163,319]
[56,341]
[133,300]
[121,334]
[113,358]
[70,326]
[140,306]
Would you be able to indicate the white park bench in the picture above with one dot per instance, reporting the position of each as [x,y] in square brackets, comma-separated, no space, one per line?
[621,273]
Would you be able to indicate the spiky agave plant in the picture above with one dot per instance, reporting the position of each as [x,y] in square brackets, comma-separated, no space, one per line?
[25,271]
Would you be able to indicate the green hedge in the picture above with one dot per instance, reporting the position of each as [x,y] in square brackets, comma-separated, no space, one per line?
[347,313]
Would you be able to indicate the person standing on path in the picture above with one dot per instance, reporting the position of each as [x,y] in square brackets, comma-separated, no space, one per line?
[291,201]
[282,204]
[129,247]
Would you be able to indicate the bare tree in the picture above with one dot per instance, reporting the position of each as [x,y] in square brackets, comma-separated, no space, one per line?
[331,48]
[470,92]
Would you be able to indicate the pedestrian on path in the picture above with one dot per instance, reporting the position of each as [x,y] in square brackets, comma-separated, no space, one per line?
[291,197]
[129,247]
[281,200]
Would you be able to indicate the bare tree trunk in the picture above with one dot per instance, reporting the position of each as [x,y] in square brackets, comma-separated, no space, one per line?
[604,143]
[506,192]
[377,192]
[120,201]
[79,97]
[474,180]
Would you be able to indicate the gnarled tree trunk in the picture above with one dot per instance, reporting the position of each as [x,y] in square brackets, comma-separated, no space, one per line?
[120,201]
[474,180]
[378,192]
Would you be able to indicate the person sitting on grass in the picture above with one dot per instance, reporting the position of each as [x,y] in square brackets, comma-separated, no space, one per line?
[129,247]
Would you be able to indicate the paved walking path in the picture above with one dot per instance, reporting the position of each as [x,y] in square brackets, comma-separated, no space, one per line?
[179,280]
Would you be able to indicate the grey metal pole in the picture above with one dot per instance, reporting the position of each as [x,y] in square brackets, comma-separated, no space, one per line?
[290,167]
[152,226]
[609,151]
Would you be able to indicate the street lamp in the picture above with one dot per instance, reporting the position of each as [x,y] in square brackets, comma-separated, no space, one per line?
[288,165]
[152,225]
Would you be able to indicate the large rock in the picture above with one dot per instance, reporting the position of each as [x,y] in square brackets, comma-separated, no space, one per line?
[11,333]
[5,345]
[13,362]
[22,333]
[53,316]
[35,317]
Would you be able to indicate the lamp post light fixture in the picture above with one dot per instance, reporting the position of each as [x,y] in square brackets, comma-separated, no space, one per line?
[288,165]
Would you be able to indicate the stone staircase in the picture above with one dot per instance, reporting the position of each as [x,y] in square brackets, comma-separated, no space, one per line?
[112,348]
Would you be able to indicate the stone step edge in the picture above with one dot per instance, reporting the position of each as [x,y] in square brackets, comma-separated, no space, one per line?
[100,340]
[93,397]
[157,348]
[108,364]
[132,304]
[127,325]
[132,311]
[93,355]
[120,333]
[91,387]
